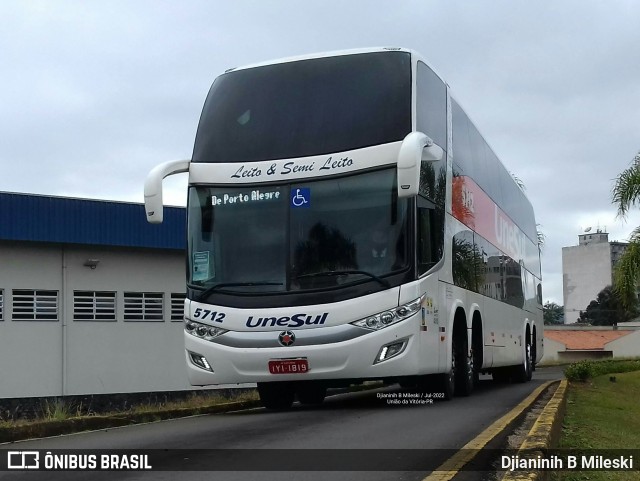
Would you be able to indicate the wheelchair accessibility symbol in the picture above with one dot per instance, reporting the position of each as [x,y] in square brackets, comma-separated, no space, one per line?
[301,197]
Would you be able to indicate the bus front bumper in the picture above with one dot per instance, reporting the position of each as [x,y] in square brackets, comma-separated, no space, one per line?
[363,357]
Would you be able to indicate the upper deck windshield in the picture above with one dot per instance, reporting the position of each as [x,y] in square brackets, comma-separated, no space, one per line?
[301,237]
[304,108]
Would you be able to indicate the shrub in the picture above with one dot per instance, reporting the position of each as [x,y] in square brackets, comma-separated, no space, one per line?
[579,371]
[585,370]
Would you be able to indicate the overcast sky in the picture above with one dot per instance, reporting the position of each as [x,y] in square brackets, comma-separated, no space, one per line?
[95,94]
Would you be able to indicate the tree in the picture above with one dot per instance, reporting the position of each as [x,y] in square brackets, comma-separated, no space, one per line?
[626,194]
[607,309]
[553,313]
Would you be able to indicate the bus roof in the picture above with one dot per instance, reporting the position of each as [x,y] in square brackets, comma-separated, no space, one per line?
[334,53]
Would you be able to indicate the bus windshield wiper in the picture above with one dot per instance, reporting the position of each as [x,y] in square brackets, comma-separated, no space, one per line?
[384,282]
[211,289]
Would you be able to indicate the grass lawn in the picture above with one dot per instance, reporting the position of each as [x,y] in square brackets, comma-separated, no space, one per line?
[602,415]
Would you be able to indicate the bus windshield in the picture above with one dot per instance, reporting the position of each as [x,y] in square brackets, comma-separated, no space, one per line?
[304,108]
[306,235]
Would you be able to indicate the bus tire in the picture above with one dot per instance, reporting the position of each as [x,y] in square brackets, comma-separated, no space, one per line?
[463,362]
[447,385]
[311,393]
[276,396]
[447,381]
[524,372]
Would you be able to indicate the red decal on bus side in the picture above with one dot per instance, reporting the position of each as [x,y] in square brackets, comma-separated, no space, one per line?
[476,210]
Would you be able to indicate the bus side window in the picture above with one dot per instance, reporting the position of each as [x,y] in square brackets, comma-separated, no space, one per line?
[426,248]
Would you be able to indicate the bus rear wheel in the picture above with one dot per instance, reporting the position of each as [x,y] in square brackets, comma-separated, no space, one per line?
[524,372]
[447,384]
[448,381]
[463,361]
[277,396]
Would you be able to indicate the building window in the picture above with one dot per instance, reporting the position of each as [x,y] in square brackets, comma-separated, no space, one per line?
[94,306]
[177,306]
[35,305]
[143,306]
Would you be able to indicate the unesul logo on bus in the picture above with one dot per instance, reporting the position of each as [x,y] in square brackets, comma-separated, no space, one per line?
[509,236]
[296,320]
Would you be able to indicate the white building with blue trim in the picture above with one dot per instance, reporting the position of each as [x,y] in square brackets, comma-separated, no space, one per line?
[91,298]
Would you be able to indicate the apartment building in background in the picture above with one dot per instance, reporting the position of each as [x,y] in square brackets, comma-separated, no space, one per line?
[587,269]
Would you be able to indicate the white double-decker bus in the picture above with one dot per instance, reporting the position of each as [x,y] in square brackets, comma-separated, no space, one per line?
[347,222]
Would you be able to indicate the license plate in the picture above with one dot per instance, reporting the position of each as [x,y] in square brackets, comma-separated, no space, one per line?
[288,366]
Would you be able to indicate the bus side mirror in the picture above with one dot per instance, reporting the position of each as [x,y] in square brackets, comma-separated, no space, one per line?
[415,149]
[153,187]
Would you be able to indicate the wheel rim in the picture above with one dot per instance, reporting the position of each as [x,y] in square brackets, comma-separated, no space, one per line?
[451,377]
[454,367]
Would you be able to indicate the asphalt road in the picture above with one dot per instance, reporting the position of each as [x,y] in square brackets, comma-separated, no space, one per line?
[348,432]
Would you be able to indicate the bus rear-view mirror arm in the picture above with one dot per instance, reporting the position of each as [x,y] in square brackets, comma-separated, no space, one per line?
[415,149]
[153,187]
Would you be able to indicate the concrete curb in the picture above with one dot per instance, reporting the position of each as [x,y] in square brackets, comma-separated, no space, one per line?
[452,466]
[543,435]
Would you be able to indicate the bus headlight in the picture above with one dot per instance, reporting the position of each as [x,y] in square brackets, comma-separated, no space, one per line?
[203,331]
[371,322]
[386,318]
[390,317]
